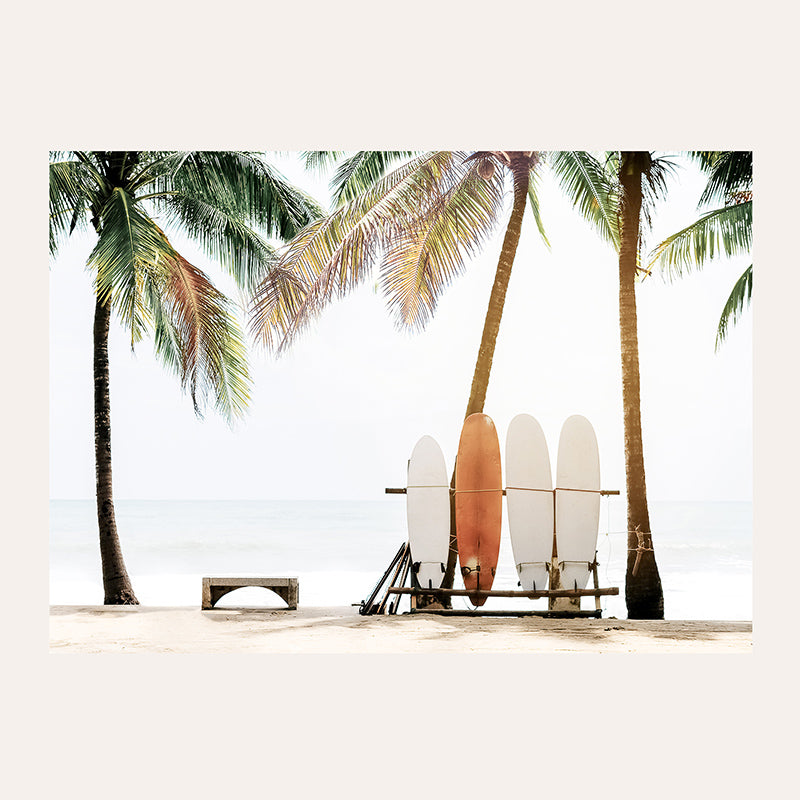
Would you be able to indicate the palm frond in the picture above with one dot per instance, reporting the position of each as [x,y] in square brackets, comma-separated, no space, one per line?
[533,199]
[739,297]
[654,186]
[245,255]
[166,342]
[244,186]
[722,231]
[360,172]
[70,197]
[730,173]
[155,165]
[200,338]
[197,337]
[705,158]
[128,245]
[592,188]
[276,304]
[91,164]
[333,255]
[423,258]
[319,160]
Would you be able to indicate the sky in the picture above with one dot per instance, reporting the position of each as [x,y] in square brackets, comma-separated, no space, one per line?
[338,416]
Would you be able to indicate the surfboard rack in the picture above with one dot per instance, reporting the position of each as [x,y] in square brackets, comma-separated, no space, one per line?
[562,603]
[395,576]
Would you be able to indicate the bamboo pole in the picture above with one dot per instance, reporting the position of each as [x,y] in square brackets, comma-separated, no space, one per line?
[367,605]
[382,605]
[406,566]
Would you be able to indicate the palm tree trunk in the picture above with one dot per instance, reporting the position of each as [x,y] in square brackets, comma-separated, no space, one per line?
[116,583]
[644,597]
[520,170]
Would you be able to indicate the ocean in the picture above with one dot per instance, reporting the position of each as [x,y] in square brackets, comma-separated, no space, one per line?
[339,550]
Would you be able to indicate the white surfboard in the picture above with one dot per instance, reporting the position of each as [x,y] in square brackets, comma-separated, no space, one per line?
[577,501]
[529,499]
[428,513]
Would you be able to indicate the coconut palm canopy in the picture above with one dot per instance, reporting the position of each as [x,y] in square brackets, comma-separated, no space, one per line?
[230,203]
[417,225]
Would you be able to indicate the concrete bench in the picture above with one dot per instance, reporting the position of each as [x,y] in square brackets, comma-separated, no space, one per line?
[214,588]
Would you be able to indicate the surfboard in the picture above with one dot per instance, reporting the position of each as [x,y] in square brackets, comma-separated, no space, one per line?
[529,501]
[428,513]
[577,501]
[478,504]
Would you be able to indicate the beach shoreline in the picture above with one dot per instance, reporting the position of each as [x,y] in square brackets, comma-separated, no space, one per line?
[341,629]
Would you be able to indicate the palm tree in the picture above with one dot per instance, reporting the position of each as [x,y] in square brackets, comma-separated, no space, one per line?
[417,224]
[644,596]
[618,197]
[726,229]
[220,199]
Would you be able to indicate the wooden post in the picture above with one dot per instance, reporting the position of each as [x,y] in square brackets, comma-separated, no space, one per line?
[596,583]
[559,603]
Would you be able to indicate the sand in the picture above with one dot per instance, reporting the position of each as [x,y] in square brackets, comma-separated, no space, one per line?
[147,629]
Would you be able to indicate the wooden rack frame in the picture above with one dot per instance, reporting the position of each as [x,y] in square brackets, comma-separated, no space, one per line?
[401,566]
[573,594]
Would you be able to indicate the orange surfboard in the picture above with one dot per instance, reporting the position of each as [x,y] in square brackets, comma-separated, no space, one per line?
[479,503]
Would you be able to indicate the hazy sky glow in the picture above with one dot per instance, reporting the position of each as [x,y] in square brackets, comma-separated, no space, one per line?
[338,415]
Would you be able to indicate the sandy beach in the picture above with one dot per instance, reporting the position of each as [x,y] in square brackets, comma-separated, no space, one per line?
[138,629]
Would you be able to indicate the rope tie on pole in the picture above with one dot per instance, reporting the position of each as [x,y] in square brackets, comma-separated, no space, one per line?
[640,548]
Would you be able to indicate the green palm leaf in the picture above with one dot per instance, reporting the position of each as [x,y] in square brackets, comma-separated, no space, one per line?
[654,186]
[533,200]
[362,171]
[70,196]
[722,231]
[129,245]
[739,297]
[318,160]
[244,186]
[730,172]
[223,237]
[592,189]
